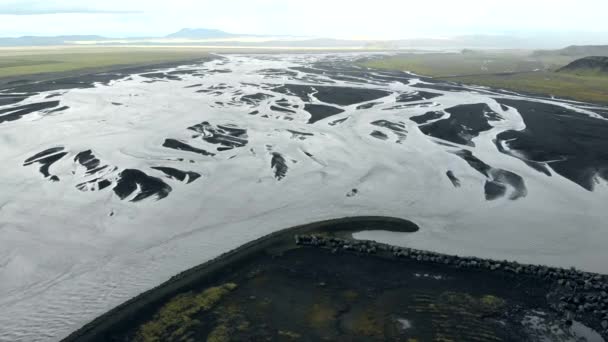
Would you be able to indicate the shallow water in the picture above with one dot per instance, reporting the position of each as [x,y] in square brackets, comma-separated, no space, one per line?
[80,236]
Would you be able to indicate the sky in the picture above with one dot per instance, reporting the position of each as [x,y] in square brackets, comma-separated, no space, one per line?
[352,19]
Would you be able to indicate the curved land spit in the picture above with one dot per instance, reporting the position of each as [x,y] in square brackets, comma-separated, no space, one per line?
[111,183]
[278,287]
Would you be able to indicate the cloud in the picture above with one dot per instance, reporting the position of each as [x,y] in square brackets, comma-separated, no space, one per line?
[386,19]
[62,11]
[34,7]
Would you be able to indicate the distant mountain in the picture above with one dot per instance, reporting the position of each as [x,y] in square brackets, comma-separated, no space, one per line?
[46,41]
[588,50]
[577,50]
[593,65]
[197,36]
[202,33]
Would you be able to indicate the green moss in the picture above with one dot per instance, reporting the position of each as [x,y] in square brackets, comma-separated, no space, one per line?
[219,334]
[289,334]
[490,302]
[484,305]
[321,315]
[370,324]
[350,295]
[231,323]
[175,319]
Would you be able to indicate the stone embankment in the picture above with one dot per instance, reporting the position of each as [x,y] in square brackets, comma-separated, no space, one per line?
[575,294]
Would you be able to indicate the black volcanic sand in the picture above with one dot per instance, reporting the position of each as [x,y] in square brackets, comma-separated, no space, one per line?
[46,159]
[417,96]
[89,161]
[319,112]
[572,144]
[181,146]
[16,113]
[278,165]
[282,110]
[498,180]
[368,105]
[464,124]
[255,99]
[6,99]
[379,135]
[132,180]
[337,122]
[426,117]
[343,96]
[227,136]
[180,175]
[127,183]
[398,128]
[452,177]
[602,112]
[330,287]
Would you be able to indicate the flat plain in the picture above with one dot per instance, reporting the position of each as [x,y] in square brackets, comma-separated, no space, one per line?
[519,71]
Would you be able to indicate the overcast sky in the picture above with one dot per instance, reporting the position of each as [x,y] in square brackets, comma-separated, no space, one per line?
[378,19]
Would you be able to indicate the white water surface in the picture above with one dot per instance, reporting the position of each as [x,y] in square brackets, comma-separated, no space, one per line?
[67,256]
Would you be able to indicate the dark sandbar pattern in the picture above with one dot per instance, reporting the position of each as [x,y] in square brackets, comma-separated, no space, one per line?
[464,124]
[572,144]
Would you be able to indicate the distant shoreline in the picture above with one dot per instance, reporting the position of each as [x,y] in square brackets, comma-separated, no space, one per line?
[212,268]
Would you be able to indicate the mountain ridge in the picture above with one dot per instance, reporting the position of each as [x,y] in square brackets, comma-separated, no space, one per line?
[576,51]
[202,33]
[594,65]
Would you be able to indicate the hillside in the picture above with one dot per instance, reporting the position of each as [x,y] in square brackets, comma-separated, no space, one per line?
[47,41]
[201,33]
[593,65]
[576,51]
[518,72]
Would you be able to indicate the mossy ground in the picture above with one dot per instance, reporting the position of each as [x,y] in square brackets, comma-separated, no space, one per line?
[175,319]
[312,295]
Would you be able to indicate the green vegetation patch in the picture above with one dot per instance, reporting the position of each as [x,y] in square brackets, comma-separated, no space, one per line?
[482,306]
[516,71]
[564,85]
[23,62]
[230,321]
[173,321]
[459,64]
[321,315]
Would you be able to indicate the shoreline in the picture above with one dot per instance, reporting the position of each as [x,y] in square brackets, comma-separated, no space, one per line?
[333,235]
[214,267]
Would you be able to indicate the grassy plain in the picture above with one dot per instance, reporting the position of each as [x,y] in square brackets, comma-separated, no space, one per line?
[571,86]
[31,61]
[512,70]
